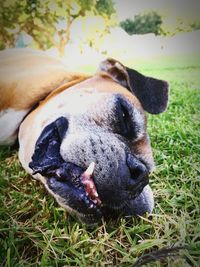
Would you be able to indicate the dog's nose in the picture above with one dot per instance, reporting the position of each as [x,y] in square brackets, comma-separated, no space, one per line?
[137,169]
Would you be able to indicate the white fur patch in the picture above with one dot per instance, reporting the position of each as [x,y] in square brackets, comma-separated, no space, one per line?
[10,120]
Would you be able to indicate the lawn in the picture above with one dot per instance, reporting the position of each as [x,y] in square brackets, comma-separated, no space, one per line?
[35,231]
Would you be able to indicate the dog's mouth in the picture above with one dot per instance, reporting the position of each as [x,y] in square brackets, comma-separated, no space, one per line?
[83,184]
[70,177]
[76,188]
[76,185]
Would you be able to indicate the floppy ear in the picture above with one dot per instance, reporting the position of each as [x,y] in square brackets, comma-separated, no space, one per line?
[152,93]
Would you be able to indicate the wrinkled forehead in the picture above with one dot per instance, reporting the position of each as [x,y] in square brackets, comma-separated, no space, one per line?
[93,94]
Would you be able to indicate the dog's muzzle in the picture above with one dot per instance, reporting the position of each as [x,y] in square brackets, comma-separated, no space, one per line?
[85,191]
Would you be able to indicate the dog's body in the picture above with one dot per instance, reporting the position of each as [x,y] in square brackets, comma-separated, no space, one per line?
[86,141]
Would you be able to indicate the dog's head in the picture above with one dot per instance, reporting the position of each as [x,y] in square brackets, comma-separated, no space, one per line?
[93,148]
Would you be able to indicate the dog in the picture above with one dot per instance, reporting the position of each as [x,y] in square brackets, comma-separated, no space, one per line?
[82,136]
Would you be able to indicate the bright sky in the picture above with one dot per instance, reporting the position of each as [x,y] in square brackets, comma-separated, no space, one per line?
[186,10]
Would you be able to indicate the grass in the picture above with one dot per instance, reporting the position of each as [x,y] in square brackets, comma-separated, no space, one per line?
[35,231]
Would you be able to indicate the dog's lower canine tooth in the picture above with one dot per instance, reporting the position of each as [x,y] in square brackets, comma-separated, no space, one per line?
[90,169]
[96,194]
[89,185]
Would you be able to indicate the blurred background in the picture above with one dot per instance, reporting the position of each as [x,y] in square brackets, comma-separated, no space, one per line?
[83,32]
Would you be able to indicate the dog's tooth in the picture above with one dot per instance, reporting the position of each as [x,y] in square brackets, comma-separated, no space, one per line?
[99,201]
[91,185]
[58,173]
[90,169]
[96,194]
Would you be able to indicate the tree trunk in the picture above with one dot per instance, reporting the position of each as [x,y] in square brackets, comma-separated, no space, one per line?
[65,37]
[61,47]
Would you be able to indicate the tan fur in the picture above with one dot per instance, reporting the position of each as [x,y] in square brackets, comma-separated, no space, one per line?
[63,87]
[141,147]
[27,76]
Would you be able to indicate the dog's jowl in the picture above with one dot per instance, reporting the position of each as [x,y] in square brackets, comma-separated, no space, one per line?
[84,137]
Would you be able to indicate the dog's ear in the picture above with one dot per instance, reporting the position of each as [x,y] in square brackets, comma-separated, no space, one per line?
[152,93]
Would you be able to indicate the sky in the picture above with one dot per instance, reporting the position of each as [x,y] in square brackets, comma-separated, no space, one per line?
[186,10]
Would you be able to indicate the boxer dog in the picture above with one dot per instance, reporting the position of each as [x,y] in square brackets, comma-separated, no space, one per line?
[83,137]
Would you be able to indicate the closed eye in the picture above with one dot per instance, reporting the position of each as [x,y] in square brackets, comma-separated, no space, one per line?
[125,117]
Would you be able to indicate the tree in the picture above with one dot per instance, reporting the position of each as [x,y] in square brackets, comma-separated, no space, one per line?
[195,25]
[45,19]
[143,23]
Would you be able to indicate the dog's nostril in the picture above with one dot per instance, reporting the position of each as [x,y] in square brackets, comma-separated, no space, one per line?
[137,169]
[138,172]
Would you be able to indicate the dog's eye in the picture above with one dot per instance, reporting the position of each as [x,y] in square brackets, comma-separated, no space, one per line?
[126,123]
